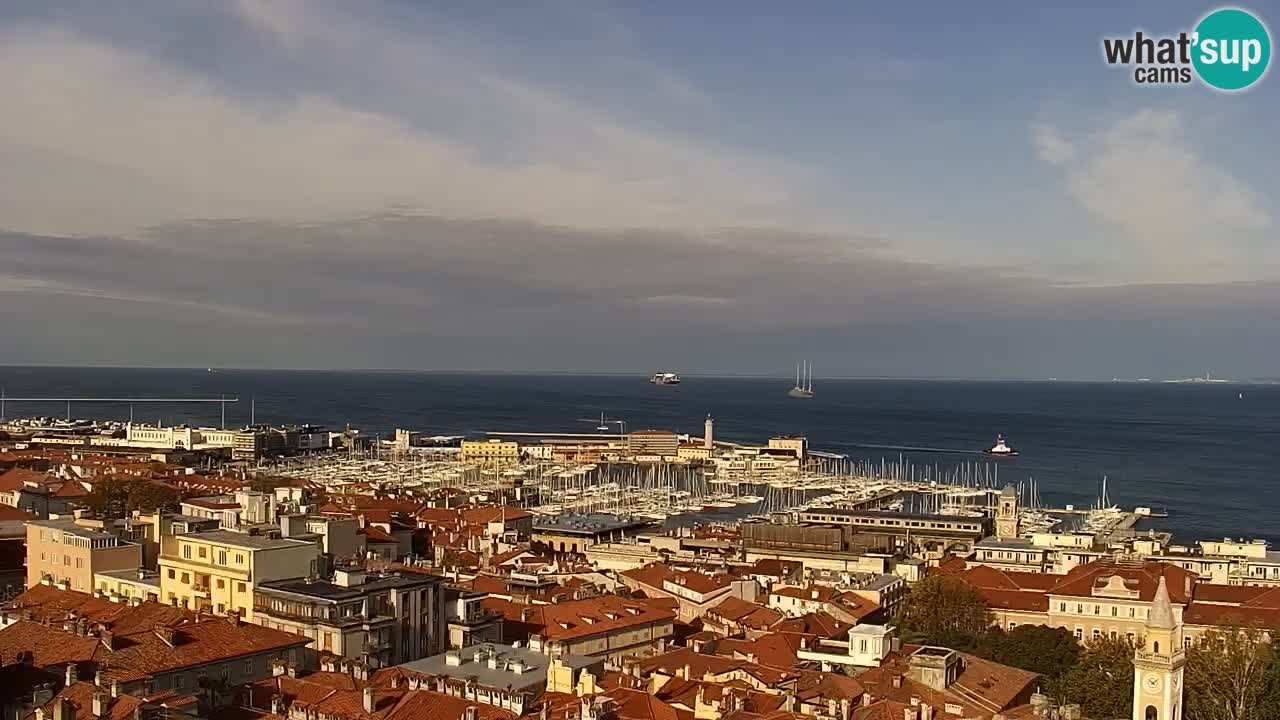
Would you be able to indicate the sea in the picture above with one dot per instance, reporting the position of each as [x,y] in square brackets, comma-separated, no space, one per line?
[1208,453]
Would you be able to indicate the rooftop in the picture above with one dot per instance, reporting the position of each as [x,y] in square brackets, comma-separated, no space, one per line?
[475,663]
[243,540]
[328,590]
[588,524]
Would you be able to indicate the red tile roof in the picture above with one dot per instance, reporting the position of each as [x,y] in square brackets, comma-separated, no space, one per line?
[44,603]
[212,640]
[747,614]
[80,697]
[49,646]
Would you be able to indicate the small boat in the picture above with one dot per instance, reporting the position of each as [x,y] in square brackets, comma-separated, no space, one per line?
[1001,448]
[803,389]
[665,378]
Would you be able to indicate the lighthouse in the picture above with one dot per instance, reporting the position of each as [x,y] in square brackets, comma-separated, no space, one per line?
[708,430]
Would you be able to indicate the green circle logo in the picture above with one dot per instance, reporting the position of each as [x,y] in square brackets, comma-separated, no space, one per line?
[1232,49]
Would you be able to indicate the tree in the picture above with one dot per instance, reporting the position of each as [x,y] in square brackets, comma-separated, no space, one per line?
[1101,681]
[268,483]
[1050,652]
[151,496]
[109,498]
[1228,675]
[946,611]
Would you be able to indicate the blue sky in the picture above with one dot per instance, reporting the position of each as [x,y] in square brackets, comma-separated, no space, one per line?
[947,137]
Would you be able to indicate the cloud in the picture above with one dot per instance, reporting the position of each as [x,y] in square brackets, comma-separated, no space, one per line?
[129,139]
[1052,147]
[1143,176]
[409,291]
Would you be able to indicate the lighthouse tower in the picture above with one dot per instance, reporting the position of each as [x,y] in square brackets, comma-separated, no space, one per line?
[708,430]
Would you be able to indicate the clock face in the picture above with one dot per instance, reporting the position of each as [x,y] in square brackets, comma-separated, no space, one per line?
[1152,683]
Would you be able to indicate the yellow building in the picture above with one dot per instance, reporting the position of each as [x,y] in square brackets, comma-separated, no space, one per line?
[490,451]
[219,570]
[70,554]
[128,584]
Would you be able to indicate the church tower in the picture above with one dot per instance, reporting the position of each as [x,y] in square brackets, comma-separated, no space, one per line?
[1158,663]
[1007,514]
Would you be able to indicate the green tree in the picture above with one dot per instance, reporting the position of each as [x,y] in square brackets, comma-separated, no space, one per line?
[109,498]
[1271,691]
[1101,681]
[1229,674]
[150,496]
[946,611]
[268,483]
[1050,652]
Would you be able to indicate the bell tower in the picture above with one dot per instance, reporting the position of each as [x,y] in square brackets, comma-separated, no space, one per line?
[1007,514]
[1158,663]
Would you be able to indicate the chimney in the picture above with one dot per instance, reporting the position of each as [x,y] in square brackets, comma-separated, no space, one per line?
[115,688]
[368,700]
[897,681]
[108,638]
[684,671]
[867,699]
[909,713]
[471,713]
[277,705]
[101,701]
[291,670]
[99,679]
[73,675]
[277,667]
[61,709]
[926,712]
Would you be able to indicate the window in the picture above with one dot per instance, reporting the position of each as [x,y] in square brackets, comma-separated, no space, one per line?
[186,578]
[239,587]
[79,563]
[1079,609]
[222,557]
[66,560]
[248,666]
[1186,642]
[1097,609]
[1079,633]
[1096,633]
[186,550]
[221,583]
[1132,612]
[203,552]
[171,574]
[239,559]
[1115,611]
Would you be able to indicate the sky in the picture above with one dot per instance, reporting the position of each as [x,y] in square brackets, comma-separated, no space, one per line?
[942,189]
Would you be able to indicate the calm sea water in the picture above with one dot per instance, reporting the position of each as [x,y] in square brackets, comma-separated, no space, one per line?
[1201,451]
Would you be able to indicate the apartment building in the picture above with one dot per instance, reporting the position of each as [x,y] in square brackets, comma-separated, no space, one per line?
[390,618]
[70,554]
[219,570]
[490,451]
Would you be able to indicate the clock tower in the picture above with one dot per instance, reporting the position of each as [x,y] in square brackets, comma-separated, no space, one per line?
[1158,663]
[1007,514]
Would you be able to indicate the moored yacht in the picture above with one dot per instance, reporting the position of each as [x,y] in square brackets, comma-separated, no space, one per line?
[1001,448]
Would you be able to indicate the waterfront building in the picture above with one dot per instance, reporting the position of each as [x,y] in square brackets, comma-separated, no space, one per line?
[797,445]
[835,534]
[69,553]
[219,570]
[498,452]
[388,618]
[662,443]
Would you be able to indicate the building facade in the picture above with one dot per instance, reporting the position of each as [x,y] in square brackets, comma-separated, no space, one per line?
[70,554]
[218,570]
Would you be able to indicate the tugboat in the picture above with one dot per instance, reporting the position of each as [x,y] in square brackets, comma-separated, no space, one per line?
[1001,449]
[665,378]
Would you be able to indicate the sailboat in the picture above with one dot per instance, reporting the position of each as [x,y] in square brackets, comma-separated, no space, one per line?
[804,382]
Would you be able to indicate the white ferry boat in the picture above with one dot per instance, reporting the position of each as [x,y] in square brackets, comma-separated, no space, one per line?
[665,378]
[1001,448]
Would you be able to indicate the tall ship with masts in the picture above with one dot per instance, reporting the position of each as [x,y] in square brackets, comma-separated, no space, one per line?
[804,381]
